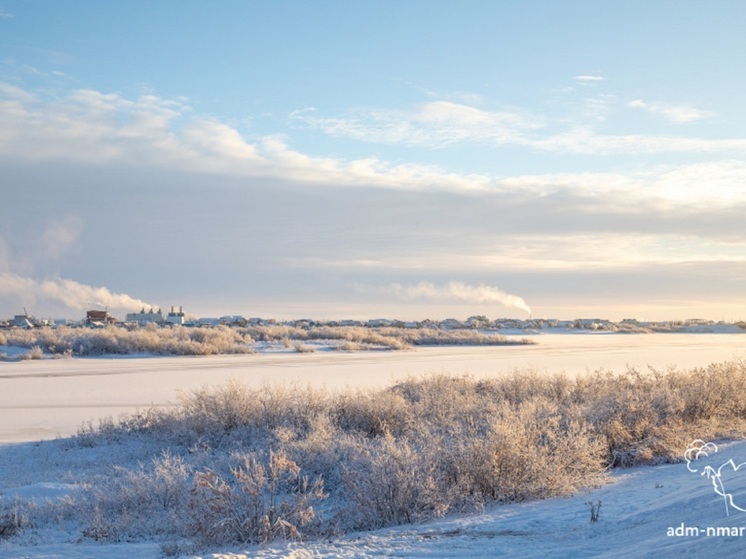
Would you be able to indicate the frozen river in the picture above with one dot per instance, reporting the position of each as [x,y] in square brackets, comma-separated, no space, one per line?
[49,398]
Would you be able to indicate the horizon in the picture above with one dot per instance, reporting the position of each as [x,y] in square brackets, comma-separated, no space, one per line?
[437,319]
[374,159]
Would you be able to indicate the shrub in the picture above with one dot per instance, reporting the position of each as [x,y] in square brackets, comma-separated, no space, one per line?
[14,517]
[244,457]
[391,482]
[34,353]
[140,502]
[258,504]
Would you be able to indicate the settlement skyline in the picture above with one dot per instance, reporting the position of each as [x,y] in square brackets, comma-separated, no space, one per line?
[384,159]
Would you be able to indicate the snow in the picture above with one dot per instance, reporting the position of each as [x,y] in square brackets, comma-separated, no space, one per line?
[44,399]
[638,511]
[43,490]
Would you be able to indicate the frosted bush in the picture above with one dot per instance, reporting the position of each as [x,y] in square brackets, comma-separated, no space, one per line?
[34,353]
[247,465]
[222,339]
[114,340]
[392,483]
[14,517]
[258,503]
[141,502]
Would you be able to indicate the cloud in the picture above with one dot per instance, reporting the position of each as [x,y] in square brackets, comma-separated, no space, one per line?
[104,129]
[678,114]
[678,184]
[458,292]
[70,293]
[40,246]
[443,124]
[436,124]
[586,141]
[100,129]
[4,14]
[59,237]
[589,79]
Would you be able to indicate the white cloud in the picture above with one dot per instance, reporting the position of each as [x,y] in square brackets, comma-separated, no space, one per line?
[4,14]
[441,124]
[435,124]
[678,114]
[11,94]
[588,78]
[584,140]
[715,184]
[96,128]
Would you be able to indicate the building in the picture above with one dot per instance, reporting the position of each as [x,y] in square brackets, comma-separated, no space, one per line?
[99,318]
[150,317]
[176,318]
[22,321]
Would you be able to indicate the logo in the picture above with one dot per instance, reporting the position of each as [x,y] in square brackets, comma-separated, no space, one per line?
[700,457]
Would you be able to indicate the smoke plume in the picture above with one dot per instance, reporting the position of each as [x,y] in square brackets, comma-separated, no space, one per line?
[70,293]
[459,291]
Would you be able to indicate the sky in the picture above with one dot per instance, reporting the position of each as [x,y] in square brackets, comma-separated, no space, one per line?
[403,159]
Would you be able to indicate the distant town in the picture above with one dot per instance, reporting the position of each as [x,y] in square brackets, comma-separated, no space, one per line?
[177,317]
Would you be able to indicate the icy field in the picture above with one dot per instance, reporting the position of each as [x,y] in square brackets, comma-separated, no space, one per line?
[49,398]
[666,511]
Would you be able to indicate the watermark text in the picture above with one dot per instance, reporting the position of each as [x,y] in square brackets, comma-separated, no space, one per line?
[684,531]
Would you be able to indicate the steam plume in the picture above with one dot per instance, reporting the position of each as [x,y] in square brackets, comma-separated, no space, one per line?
[459,291]
[70,293]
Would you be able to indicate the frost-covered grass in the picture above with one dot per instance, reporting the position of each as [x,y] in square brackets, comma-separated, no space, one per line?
[239,465]
[116,340]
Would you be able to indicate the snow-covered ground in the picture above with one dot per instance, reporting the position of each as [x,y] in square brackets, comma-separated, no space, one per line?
[41,399]
[49,398]
[663,511]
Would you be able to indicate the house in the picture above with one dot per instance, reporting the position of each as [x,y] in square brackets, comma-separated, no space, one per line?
[99,318]
[380,323]
[233,320]
[22,321]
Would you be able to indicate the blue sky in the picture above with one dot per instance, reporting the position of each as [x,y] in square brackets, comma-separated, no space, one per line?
[405,159]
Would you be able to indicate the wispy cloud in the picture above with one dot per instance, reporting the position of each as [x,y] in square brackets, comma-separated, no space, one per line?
[674,113]
[4,14]
[442,124]
[677,184]
[41,246]
[589,79]
[585,140]
[435,124]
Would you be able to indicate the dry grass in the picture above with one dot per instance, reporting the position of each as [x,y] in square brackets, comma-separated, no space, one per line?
[151,339]
[251,465]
